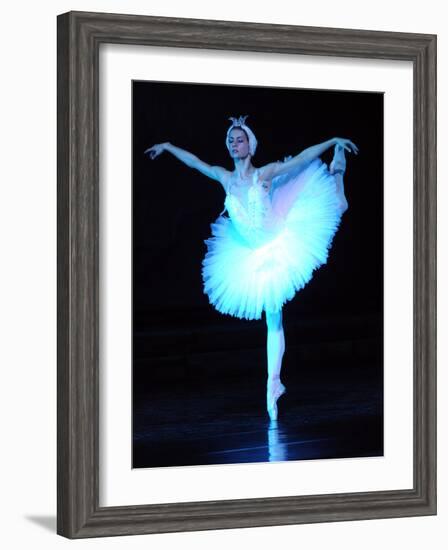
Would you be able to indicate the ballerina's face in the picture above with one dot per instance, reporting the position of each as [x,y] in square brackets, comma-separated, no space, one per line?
[238,143]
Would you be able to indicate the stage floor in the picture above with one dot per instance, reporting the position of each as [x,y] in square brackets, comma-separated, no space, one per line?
[325,413]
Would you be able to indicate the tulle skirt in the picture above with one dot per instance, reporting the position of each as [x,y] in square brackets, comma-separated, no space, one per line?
[244,278]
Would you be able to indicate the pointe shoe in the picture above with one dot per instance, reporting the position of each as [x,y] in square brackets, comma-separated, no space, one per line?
[275,390]
[338,163]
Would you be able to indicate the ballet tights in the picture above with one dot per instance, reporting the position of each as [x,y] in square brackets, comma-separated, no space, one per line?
[337,167]
[275,351]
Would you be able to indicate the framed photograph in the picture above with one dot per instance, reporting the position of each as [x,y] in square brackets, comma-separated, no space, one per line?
[246,274]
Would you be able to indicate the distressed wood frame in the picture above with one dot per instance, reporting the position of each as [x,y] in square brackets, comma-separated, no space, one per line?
[79,37]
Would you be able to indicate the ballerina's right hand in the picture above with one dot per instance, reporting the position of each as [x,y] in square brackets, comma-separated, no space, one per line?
[155,150]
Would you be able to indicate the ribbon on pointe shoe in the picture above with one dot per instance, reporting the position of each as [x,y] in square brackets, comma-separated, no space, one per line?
[274,391]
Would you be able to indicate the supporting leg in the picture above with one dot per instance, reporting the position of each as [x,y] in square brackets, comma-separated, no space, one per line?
[275,351]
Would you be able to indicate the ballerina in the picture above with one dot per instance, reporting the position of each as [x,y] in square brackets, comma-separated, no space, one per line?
[280,225]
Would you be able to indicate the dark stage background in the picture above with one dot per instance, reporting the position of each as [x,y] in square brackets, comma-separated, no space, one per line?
[199,376]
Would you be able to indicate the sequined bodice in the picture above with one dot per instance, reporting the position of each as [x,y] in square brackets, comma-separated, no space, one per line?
[253,220]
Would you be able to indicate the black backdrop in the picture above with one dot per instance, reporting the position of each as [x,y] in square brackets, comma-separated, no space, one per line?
[174,205]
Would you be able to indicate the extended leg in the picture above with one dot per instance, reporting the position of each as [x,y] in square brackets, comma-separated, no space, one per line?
[275,351]
[337,167]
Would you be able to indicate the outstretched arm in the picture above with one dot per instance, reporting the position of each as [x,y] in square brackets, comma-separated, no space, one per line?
[214,172]
[275,169]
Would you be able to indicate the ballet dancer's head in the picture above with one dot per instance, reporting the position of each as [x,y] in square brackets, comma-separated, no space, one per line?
[238,143]
[240,139]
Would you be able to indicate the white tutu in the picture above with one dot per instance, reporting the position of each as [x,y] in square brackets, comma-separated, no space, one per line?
[267,250]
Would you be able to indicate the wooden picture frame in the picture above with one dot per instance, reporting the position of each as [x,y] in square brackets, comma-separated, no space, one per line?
[79,37]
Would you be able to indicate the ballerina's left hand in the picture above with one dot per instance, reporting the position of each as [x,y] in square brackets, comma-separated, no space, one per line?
[347,145]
